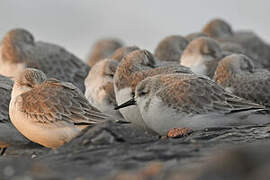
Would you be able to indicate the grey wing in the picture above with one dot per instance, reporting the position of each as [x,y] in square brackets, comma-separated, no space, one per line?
[199,95]
[59,102]
[58,63]
[5,93]
[91,114]
[254,88]
[254,46]
[224,101]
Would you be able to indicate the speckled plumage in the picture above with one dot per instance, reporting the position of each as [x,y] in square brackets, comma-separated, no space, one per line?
[178,100]
[136,61]
[40,105]
[138,65]
[135,67]
[18,47]
[195,94]
[237,74]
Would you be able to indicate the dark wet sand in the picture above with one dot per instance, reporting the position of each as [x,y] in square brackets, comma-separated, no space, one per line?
[121,151]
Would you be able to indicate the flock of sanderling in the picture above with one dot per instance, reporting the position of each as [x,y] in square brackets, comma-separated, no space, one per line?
[217,77]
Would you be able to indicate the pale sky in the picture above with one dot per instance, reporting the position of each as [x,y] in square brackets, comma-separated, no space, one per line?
[76,24]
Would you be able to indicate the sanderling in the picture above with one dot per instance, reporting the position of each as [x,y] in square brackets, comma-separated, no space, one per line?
[9,135]
[202,56]
[174,104]
[99,87]
[171,48]
[237,74]
[123,51]
[49,112]
[19,50]
[218,28]
[102,49]
[253,45]
[132,69]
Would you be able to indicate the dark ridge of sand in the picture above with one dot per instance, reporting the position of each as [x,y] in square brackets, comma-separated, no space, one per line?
[121,151]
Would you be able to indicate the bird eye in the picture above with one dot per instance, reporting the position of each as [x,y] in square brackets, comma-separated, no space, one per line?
[143,93]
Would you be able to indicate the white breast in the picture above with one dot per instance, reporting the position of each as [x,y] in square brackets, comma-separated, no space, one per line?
[95,95]
[159,117]
[98,97]
[130,113]
[195,63]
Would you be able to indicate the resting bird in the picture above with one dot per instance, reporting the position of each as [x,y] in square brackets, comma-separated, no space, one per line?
[176,104]
[202,56]
[237,74]
[252,44]
[171,48]
[19,50]
[99,87]
[135,67]
[49,112]
[102,49]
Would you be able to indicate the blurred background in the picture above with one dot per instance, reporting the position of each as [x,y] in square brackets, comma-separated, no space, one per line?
[76,25]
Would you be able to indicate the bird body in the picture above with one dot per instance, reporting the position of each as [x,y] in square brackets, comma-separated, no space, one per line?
[169,101]
[49,112]
[99,87]
[19,50]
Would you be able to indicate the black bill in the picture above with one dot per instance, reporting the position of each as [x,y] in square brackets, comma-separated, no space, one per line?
[128,103]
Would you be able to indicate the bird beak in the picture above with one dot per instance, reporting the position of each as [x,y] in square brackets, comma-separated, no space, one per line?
[128,103]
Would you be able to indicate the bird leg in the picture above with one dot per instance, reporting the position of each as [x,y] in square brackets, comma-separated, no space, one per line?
[179,132]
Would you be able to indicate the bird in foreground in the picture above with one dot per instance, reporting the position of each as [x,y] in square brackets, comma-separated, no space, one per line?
[202,56]
[176,104]
[9,135]
[102,49]
[135,67]
[99,87]
[237,74]
[19,50]
[123,51]
[49,112]
[171,48]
